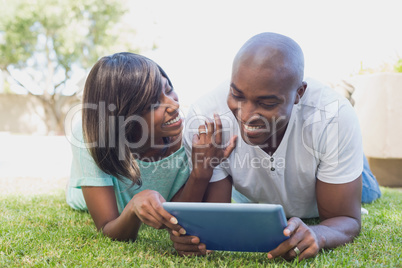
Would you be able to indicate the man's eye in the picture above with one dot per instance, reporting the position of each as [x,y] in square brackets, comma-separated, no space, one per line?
[236,96]
[268,105]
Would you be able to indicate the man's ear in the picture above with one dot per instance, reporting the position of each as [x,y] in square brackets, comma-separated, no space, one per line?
[300,92]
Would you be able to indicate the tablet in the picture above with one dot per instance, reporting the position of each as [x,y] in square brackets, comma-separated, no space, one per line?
[232,226]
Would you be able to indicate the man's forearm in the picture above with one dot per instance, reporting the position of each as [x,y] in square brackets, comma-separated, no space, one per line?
[337,231]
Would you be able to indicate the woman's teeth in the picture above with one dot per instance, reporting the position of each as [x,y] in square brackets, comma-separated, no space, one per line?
[173,120]
[249,128]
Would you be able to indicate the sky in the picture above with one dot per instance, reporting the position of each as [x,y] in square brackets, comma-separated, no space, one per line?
[197,40]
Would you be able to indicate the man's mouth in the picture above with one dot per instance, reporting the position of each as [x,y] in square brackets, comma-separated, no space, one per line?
[172,121]
[252,128]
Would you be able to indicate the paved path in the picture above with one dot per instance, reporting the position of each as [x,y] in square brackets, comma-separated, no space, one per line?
[33,164]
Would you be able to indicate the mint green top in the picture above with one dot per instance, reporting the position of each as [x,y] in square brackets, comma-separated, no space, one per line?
[166,176]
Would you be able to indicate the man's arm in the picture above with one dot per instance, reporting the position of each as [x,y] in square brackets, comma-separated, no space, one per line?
[339,211]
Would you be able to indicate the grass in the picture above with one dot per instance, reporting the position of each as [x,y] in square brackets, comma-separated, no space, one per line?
[43,231]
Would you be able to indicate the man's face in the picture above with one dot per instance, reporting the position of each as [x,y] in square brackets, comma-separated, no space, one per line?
[262,103]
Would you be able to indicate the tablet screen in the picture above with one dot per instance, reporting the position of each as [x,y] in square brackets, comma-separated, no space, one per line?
[232,226]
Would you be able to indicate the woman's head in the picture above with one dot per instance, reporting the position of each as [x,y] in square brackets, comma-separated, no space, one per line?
[124,95]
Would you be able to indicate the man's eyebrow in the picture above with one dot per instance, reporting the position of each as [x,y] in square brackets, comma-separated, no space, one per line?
[235,88]
[268,97]
[260,97]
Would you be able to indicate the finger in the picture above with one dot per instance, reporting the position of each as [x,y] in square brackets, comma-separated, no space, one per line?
[151,221]
[291,254]
[144,213]
[281,250]
[190,247]
[165,217]
[196,138]
[185,239]
[218,129]
[285,247]
[210,128]
[229,149]
[202,133]
[175,233]
[293,224]
[309,252]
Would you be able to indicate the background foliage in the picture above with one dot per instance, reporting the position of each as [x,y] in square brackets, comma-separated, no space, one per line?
[43,43]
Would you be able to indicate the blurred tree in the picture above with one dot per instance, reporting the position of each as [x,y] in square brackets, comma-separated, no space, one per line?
[44,42]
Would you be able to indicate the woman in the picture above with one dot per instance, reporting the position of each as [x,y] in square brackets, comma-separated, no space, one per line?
[131,159]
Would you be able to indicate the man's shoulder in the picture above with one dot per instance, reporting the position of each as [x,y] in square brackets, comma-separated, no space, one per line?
[205,107]
[321,96]
[212,102]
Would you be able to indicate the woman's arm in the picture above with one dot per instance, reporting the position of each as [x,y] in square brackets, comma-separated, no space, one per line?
[145,206]
[207,152]
[185,245]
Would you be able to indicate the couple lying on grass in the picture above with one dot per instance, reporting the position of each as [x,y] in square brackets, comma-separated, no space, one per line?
[300,147]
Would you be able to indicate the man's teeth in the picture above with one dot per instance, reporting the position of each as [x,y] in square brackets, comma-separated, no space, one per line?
[173,120]
[249,128]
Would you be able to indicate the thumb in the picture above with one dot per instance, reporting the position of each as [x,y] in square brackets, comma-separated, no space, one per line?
[293,224]
[229,149]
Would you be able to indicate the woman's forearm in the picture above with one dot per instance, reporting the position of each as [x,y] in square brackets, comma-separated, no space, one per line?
[194,189]
[123,228]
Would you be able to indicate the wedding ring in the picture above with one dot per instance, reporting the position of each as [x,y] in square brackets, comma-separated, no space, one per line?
[202,132]
[297,251]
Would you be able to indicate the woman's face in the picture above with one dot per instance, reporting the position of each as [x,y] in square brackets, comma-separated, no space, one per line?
[163,119]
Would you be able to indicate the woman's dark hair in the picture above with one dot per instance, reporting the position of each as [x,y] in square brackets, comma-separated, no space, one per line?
[119,87]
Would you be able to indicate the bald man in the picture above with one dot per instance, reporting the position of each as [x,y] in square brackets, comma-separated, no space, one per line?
[300,147]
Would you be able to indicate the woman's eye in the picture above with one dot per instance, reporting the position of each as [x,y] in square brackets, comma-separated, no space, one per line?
[169,90]
[154,106]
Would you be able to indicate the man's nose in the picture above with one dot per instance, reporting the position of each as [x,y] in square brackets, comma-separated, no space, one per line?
[247,112]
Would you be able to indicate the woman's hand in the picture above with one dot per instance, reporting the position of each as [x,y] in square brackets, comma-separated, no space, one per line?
[207,149]
[302,243]
[147,206]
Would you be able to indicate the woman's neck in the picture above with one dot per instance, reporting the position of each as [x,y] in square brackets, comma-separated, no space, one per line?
[159,149]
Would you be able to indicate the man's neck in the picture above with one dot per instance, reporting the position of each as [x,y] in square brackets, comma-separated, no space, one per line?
[274,141]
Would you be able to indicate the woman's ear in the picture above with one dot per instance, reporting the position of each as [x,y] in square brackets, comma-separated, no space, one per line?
[300,92]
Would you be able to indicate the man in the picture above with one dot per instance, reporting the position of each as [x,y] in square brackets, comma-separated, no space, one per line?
[300,146]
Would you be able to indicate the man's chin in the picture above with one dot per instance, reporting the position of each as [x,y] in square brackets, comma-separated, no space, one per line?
[252,141]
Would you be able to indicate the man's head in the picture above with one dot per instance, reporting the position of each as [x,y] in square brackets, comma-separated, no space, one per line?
[267,80]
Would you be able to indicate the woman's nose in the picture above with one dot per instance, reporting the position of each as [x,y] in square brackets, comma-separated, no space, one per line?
[172,105]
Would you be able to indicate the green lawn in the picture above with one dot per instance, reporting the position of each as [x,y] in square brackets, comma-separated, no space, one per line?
[44,231]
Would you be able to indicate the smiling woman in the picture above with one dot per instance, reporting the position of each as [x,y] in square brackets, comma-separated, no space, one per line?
[129,159]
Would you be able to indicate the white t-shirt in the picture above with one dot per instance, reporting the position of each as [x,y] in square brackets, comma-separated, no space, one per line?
[322,141]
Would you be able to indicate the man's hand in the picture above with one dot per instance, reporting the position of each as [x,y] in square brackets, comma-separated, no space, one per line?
[301,237]
[207,149]
[187,245]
